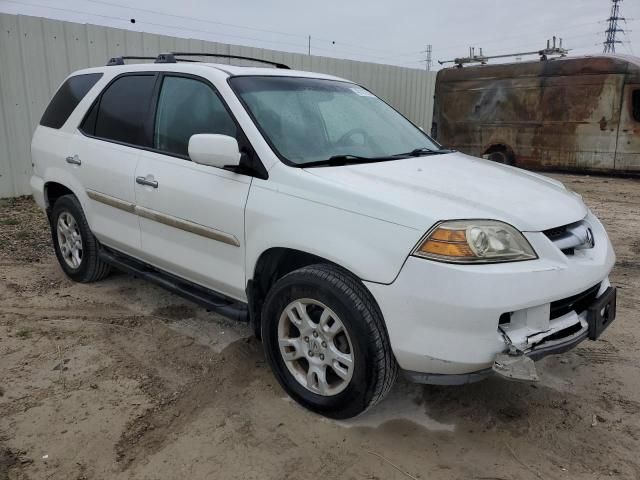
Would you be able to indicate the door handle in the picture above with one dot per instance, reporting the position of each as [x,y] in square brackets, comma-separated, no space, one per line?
[75,160]
[146,181]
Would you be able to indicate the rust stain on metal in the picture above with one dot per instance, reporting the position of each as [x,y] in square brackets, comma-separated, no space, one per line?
[568,113]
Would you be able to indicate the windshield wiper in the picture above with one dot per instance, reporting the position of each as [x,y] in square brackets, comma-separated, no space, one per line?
[340,160]
[418,152]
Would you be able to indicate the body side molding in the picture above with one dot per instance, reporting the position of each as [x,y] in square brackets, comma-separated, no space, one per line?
[111,201]
[168,220]
[187,226]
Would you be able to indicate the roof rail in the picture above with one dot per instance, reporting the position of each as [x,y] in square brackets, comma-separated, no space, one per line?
[120,60]
[171,58]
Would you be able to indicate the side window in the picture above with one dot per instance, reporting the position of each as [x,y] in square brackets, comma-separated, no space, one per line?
[67,98]
[636,105]
[123,110]
[187,107]
[88,125]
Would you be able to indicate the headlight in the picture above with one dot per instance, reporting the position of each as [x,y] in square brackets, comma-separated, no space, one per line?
[475,241]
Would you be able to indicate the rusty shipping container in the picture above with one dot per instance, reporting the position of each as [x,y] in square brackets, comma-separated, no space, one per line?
[580,114]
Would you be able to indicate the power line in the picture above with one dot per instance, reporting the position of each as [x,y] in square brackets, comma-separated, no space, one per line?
[613,29]
[185,17]
[531,45]
[494,40]
[299,47]
[156,24]
[232,25]
[302,46]
[570,46]
[532,33]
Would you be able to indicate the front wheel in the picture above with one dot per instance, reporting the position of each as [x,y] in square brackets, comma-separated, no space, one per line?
[325,339]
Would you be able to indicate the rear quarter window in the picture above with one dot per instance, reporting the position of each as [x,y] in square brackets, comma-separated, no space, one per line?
[67,98]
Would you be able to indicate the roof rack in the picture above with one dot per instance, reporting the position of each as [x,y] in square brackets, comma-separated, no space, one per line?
[171,58]
[120,60]
[544,54]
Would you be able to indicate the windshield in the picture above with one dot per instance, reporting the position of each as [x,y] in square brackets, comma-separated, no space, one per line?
[310,120]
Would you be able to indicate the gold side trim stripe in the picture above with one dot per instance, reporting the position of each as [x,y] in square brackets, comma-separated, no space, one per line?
[187,226]
[168,220]
[111,201]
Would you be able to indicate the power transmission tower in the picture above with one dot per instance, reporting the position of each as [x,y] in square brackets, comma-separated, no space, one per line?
[428,61]
[613,29]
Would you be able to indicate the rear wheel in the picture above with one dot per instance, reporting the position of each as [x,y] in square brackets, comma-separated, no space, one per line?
[74,244]
[500,154]
[325,340]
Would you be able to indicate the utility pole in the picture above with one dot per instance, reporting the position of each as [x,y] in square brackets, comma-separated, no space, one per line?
[309,49]
[613,29]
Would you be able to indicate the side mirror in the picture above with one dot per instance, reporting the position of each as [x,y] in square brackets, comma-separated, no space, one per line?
[214,150]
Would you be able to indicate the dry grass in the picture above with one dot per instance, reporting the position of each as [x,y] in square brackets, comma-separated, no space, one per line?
[24,230]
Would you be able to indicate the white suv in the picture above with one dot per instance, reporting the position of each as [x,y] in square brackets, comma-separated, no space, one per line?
[354,244]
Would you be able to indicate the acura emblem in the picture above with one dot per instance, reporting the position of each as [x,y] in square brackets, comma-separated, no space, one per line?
[589,240]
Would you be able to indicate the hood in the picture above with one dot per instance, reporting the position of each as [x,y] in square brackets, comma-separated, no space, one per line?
[419,191]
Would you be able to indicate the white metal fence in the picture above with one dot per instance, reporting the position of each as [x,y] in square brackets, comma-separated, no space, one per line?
[36,54]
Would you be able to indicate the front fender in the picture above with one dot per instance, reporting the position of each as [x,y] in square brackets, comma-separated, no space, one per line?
[372,249]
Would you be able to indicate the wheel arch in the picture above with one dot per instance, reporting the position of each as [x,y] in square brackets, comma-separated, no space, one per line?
[273,264]
[58,182]
[54,190]
[502,148]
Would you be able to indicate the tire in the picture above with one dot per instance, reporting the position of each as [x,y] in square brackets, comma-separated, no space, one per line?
[68,225]
[500,156]
[333,299]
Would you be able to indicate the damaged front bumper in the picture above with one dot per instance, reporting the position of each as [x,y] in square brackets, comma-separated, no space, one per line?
[563,334]
[523,345]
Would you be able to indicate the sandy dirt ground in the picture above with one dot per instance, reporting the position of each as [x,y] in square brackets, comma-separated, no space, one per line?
[120,379]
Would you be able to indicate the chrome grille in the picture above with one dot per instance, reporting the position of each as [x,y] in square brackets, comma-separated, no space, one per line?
[569,238]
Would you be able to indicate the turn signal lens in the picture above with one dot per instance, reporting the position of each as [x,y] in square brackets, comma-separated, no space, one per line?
[475,241]
[448,249]
[447,235]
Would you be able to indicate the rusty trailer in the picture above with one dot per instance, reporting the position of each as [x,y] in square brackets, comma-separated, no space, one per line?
[576,114]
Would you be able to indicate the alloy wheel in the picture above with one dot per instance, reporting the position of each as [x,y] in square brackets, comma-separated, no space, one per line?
[316,347]
[69,240]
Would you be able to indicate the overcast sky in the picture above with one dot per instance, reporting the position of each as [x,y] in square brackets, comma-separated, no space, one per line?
[388,31]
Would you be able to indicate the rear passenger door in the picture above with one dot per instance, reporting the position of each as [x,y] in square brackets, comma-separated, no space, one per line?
[106,153]
[191,215]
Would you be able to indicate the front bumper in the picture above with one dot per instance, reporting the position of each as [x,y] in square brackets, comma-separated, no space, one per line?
[537,353]
[513,365]
[443,319]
